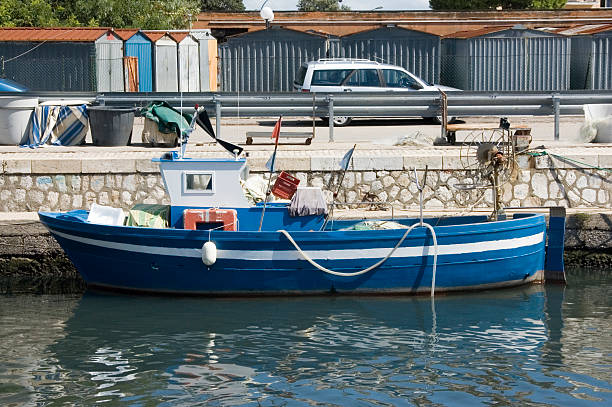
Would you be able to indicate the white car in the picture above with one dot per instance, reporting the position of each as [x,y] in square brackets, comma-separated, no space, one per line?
[358,75]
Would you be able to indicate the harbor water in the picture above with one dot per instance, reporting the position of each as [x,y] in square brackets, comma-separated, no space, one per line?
[533,345]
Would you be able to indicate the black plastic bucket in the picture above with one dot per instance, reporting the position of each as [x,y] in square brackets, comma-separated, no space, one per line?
[111,126]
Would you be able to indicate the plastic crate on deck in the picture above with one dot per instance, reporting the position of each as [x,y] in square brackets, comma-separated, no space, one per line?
[285,185]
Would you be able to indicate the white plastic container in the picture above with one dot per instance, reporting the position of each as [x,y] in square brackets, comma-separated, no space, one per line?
[106,215]
[598,119]
[15,112]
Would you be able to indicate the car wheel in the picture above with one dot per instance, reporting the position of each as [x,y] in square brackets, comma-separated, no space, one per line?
[339,121]
[438,119]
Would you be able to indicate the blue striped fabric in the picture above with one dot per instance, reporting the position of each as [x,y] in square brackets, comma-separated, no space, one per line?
[58,125]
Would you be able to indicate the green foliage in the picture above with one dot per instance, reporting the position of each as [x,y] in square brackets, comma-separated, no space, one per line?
[548,4]
[222,5]
[321,5]
[146,14]
[492,4]
[28,13]
[459,4]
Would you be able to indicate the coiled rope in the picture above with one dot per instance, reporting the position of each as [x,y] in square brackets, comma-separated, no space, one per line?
[378,263]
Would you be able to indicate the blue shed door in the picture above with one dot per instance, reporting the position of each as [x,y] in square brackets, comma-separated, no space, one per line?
[140,47]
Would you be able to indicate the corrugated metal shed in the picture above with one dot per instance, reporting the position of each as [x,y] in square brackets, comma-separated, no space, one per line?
[165,56]
[31,34]
[584,29]
[138,45]
[109,63]
[416,51]
[51,66]
[508,59]
[267,60]
[188,62]
[208,59]
[591,66]
[64,59]
[126,33]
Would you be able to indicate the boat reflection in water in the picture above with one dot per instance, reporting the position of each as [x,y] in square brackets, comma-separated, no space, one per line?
[331,350]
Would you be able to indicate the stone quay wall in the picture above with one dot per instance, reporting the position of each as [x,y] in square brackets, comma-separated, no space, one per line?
[64,182]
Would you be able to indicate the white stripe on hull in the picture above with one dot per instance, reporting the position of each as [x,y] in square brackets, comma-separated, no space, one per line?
[335,254]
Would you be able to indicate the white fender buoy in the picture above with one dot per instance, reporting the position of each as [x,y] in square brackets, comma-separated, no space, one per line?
[209,253]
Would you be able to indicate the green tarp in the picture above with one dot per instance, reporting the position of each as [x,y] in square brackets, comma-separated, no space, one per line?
[168,119]
[149,216]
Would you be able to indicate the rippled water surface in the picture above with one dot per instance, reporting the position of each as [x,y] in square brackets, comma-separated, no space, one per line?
[534,345]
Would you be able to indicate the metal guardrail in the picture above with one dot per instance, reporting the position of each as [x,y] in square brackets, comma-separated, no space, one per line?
[358,104]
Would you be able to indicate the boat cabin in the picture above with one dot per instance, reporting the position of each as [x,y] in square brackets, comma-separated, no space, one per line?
[203,182]
[199,184]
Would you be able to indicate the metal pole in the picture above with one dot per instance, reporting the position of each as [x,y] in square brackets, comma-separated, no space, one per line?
[557,112]
[330,101]
[335,195]
[217,115]
[313,112]
[263,211]
[443,114]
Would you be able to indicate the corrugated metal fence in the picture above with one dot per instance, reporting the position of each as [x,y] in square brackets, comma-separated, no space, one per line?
[602,62]
[267,61]
[418,52]
[508,61]
[592,61]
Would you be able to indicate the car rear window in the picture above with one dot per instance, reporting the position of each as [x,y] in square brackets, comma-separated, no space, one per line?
[330,76]
[364,77]
[301,74]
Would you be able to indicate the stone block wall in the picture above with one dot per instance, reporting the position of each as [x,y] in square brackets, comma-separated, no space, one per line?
[58,184]
[64,192]
[532,187]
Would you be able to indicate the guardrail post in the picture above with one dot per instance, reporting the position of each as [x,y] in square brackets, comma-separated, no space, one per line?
[330,101]
[217,103]
[556,111]
[443,114]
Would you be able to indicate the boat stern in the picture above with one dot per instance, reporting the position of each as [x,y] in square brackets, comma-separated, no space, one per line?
[554,268]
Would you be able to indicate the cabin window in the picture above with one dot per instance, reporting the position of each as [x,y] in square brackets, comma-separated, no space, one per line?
[198,182]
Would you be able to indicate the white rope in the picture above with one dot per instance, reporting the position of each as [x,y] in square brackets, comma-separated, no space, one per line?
[378,263]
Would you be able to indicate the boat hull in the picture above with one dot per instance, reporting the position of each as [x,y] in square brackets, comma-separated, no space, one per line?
[470,256]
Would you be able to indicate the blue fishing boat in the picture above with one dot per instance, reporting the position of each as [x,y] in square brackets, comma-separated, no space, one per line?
[217,243]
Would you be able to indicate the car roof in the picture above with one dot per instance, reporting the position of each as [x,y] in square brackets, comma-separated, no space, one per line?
[7,85]
[340,63]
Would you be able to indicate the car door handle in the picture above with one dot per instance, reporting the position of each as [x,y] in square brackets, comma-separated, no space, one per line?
[348,90]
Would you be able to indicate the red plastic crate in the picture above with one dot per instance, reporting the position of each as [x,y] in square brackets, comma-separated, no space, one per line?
[285,185]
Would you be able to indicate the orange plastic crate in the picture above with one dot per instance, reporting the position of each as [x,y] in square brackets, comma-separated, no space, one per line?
[285,185]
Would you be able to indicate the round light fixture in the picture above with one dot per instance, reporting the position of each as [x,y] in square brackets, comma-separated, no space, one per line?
[267,14]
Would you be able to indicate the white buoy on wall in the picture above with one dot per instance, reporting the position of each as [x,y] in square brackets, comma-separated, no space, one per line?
[209,253]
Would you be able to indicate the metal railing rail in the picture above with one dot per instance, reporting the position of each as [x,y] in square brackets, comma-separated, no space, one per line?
[358,104]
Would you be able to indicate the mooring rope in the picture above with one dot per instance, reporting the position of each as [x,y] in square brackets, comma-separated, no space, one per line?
[378,263]
[564,158]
